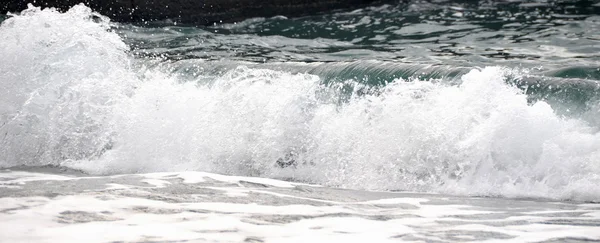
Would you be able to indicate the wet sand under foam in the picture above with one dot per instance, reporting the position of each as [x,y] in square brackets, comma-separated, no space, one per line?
[45,206]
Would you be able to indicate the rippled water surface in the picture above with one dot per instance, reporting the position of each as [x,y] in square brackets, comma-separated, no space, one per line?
[513,33]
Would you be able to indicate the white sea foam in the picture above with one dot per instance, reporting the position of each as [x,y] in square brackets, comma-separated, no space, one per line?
[212,211]
[61,75]
[70,97]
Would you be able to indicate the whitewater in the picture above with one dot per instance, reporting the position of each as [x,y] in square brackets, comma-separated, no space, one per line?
[107,136]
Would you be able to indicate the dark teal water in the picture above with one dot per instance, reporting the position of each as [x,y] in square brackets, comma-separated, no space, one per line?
[549,33]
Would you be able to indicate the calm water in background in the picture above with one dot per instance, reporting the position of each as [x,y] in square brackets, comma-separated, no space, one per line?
[513,33]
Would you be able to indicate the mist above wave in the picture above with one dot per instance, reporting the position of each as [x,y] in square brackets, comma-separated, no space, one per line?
[71,97]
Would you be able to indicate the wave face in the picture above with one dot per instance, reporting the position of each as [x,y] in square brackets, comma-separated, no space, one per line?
[73,95]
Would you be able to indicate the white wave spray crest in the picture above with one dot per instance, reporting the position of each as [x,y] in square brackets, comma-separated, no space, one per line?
[71,98]
[62,75]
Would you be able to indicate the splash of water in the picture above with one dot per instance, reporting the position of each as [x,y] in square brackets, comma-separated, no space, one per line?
[71,97]
[62,75]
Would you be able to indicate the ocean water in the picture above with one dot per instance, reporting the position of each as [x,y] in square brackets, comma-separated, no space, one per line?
[419,121]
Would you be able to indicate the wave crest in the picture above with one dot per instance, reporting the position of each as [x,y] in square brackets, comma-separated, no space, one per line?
[72,98]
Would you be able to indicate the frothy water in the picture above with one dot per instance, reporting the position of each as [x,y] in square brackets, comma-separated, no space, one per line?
[75,96]
[205,207]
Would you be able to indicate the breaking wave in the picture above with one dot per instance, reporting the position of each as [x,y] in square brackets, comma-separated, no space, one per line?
[74,96]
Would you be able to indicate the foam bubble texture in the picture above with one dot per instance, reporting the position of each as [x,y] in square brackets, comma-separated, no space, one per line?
[71,97]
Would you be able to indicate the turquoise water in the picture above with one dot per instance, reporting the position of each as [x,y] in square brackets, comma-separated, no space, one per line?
[484,33]
[481,98]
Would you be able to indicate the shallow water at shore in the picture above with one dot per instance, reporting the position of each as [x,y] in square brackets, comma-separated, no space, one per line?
[205,207]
